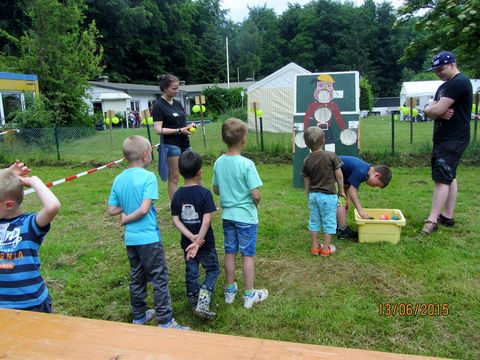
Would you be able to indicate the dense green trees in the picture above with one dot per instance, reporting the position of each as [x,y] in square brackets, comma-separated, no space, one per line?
[62,42]
[446,25]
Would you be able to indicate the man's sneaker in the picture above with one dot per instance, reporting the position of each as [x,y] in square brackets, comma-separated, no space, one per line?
[346,233]
[149,315]
[230,294]
[442,220]
[259,296]
[429,227]
[172,324]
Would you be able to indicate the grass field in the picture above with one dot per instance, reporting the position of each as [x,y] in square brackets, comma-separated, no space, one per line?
[327,301]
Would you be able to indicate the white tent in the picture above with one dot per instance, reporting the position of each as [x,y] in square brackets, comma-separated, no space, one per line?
[274,94]
[424,90]
[421,90]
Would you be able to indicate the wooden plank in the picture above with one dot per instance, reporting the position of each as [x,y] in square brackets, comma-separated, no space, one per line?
[31,335]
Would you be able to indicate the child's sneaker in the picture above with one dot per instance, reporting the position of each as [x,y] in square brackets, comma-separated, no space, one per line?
[230,294]
[328,251]
[172,324]
[149,315]
[259,296]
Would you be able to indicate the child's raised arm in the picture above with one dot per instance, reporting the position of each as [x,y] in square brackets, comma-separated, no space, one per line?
[50,203]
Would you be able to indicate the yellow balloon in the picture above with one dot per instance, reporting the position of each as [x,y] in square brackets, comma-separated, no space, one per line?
[192,130]
[204,109]
[107,121]
[196,108]
[115,120]
[259,113]
[143,122]
[150,120]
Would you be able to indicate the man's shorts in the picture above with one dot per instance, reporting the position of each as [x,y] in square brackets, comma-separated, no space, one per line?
[240,236]
[323,212]
[174,150]
[445,159]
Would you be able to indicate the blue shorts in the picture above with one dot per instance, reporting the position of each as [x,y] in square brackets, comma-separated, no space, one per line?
[174,150]
[323,212]
[240,236]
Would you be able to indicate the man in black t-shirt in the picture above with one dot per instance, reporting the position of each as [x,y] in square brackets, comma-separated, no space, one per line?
[451,135]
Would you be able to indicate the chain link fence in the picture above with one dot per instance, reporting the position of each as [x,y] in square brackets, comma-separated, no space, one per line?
[379,135]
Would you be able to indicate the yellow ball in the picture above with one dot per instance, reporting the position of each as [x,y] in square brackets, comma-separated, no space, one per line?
[192,130]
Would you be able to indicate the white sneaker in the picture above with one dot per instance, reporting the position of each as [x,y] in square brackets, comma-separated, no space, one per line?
[229,295]
[259,296]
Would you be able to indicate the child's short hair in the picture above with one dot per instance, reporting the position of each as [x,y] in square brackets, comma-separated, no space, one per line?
[233,131]
[134,147]
[189,163]
[11,188]
[385,174]
[314,138]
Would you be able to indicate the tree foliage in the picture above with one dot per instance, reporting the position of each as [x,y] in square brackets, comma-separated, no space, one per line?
[64,54]
[446,25]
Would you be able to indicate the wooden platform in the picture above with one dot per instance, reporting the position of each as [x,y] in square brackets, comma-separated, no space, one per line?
[30,335]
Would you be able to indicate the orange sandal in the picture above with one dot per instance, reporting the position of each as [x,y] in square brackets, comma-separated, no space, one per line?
[327,252]
[316,251]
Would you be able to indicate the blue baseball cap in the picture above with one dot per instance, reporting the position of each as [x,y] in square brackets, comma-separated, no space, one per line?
[442,58]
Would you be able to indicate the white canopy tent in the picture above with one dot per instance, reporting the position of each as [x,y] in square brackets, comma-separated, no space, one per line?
[421,90]
[424,90]
[274,94]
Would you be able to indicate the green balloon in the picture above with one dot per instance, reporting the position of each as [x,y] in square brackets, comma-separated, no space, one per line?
[150,120]
[115,120]
[204,109]
[196,108]
[107,121]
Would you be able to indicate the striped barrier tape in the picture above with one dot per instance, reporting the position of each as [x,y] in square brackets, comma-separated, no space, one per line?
[9,131]
[73,177]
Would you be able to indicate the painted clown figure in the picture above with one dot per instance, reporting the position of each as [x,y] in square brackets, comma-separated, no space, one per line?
[322,110]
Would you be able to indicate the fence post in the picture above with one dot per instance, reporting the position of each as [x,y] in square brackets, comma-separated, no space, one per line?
[393,132]
[146,116]
[476,100]
[57,142]
[261,134]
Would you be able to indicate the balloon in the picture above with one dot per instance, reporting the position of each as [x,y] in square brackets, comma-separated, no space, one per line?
[259,113]
[204,109]
[192,130]
[150,120]
[143,122]
[115,120]
[107,121]
[196,108]
[414,112]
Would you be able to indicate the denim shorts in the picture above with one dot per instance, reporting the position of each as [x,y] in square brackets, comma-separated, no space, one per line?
[174,150]
[323,212]
[240,236]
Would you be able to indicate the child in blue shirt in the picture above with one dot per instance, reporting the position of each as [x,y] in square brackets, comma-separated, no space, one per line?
[132,196]
[21,235]
[355,171]
[192,207]
[236,180]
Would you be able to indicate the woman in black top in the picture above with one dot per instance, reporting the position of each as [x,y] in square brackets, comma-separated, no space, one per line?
[170,121]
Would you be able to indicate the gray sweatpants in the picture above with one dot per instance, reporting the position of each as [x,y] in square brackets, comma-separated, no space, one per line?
[148,264]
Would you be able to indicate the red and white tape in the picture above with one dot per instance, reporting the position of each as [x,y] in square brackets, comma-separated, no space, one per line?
[73,177]
[9,131]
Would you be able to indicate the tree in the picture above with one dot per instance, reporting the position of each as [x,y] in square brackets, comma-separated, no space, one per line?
[366,95]
[63,54]
[446,25]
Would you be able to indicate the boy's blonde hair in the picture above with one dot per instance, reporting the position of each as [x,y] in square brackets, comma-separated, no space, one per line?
[134,147]
[11,188]
[314,138]
[233,131]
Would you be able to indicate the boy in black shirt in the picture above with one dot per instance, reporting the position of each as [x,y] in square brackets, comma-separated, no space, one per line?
[191,208]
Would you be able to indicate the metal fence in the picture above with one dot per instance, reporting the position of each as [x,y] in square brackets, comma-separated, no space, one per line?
[379,135]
